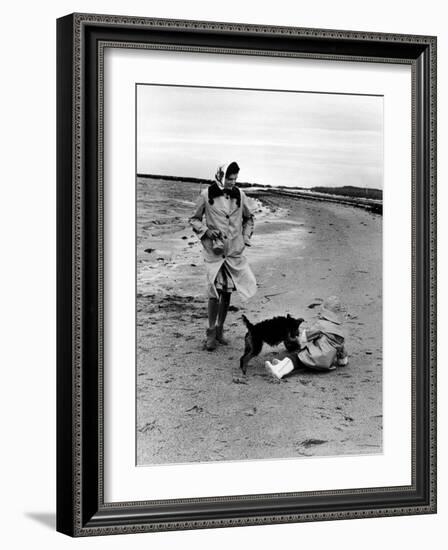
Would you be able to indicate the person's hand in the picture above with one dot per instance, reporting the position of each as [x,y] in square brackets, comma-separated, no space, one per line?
[303,340]
[247,242]
[213,233]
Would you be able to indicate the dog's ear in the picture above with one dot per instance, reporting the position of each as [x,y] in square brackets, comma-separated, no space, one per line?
[288,316]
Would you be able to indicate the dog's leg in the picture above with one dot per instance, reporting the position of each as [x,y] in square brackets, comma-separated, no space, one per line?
[291,344]
[248,352]
[252,349]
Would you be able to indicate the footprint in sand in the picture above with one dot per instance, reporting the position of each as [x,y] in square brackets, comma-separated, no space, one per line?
[311,442]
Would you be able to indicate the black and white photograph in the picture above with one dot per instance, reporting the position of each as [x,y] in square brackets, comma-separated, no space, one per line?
[258,274]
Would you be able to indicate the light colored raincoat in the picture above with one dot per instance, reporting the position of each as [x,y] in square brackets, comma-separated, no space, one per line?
[236,225]
[324,344]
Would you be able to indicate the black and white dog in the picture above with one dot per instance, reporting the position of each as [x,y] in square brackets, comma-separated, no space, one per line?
[271,331]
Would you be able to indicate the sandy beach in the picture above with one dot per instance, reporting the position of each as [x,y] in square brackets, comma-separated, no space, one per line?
[194,405]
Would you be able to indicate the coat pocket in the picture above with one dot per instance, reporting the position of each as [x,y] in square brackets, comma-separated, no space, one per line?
[236,246]
[207,243]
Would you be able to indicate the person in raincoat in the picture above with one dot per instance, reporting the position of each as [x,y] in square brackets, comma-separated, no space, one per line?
[322,347]
[224,223]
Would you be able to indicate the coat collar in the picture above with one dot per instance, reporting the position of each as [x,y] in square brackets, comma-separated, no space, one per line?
[215,191]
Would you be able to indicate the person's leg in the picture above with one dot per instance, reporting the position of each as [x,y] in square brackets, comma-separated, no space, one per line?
[224,303]
[213,308]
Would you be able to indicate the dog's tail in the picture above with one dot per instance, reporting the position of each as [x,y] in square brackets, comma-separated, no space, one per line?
[248,324]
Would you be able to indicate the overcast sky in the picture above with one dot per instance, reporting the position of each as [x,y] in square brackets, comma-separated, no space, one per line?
[277,138]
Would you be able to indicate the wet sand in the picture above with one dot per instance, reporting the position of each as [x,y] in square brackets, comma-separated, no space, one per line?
[194,405]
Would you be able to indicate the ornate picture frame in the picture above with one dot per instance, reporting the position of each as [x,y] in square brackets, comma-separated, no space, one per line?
[81,506]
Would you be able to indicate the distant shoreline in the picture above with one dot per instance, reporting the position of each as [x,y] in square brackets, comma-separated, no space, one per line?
[367,198]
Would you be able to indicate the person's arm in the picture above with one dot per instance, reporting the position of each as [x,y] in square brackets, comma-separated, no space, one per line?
[196,219]
[308,335]
[312,334]
[248,220]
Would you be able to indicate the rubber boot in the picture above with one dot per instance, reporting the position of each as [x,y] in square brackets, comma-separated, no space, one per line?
[210,344]
[220,336]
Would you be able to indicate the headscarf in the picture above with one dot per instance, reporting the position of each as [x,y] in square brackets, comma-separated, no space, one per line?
[217,187]
[221,174]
